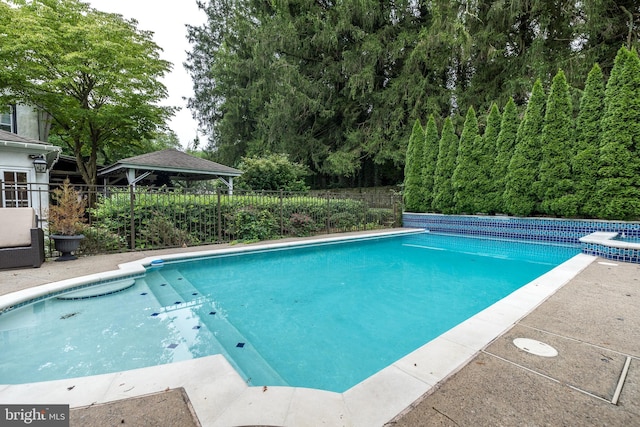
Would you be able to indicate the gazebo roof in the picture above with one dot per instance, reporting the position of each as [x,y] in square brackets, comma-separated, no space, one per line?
[180,165]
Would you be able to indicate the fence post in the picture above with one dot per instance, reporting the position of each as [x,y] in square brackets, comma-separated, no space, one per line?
[219,216]
[328,214]
[132,224]
[281,215]
[394,201]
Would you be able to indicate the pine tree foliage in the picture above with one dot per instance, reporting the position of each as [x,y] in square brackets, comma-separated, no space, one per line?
[555,181]
[413,177]
[337,85]
[447,156]
[505,146]
[520,197]
[465,175]
[619,172]
[488,194]
[588,127]
[431,143]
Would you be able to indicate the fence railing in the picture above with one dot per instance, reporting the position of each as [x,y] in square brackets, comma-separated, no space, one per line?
[127,218]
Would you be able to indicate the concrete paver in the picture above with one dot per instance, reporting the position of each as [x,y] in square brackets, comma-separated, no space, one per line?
[139,411]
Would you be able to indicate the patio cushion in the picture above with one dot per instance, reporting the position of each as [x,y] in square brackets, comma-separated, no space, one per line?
[15,227]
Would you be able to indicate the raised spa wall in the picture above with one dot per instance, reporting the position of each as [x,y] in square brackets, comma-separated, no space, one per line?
[596,237]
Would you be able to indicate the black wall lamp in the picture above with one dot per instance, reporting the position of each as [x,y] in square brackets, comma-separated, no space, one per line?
[39,163]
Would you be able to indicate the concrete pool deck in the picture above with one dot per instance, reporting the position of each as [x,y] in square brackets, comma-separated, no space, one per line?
[591,319]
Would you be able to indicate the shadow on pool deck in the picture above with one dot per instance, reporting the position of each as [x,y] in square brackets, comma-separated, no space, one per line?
[592,321]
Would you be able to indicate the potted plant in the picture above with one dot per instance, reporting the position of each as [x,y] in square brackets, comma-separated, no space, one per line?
[66,220]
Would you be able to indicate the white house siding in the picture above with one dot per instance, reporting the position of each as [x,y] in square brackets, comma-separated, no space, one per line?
[16,162]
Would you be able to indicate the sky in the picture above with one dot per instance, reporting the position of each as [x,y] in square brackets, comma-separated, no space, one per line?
[167,20]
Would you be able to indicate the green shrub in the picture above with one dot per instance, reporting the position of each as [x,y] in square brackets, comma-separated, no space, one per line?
[250,224]
[174,219]
[159,231]
[273,172]
[301,225]
[342,221]
[99,239]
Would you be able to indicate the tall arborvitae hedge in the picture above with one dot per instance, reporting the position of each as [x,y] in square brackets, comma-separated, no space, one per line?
[520,197]
[585,163]
[504,151]
[467,170]
[447,155]
[431,142]
[555,182]
[488,198]
[619,172]
[545,164]
[413,185]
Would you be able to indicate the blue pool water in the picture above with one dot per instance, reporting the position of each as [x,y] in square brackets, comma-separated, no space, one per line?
[629,239]
[323,316]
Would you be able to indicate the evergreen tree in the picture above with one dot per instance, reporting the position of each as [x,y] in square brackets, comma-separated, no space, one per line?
[447,155]
[605,25]
[334,84]
[505,146]
[429,163]
[413,178]
[588,127]
[555,183]
[488,194]
[619,172]
[520,197]
[466,173]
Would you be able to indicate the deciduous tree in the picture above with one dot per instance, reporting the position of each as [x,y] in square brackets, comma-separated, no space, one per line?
[95,74]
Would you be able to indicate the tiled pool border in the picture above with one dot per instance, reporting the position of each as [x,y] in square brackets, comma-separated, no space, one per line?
[554,230]
[220,397]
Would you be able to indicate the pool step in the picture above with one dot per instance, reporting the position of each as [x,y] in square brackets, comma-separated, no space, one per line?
[180,284]
[164,291]
[177,301]
[238,350]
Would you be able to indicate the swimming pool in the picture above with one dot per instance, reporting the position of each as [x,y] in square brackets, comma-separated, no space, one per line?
[356,301]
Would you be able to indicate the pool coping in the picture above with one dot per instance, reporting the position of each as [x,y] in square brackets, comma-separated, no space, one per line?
[605,238]
[220,397]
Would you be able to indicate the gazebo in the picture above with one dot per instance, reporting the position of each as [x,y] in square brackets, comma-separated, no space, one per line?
[167,164]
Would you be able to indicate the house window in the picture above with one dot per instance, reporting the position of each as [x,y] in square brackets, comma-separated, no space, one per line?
[8,119]
[15,192]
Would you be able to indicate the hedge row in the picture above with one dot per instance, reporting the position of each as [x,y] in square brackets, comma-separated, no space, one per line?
[172,219]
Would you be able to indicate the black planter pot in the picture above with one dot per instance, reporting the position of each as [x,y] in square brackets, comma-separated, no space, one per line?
[65,245]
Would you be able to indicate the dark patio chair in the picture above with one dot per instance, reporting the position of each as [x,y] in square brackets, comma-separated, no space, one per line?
[21,241]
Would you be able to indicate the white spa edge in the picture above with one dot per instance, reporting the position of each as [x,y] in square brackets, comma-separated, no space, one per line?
[607,238]
[220,397]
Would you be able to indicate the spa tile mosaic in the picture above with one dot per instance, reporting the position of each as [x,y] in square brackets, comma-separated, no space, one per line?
[537,229]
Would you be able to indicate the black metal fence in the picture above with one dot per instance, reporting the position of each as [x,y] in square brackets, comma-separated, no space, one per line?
[130,218]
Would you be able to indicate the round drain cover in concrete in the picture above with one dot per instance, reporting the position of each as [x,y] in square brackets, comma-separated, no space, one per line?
[535,347]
